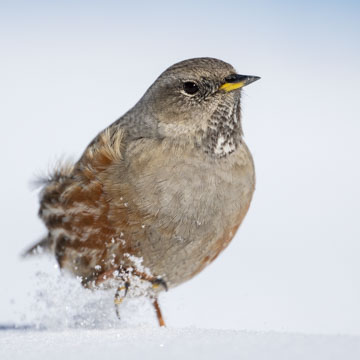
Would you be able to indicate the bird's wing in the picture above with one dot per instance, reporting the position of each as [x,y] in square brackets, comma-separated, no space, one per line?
[74,204]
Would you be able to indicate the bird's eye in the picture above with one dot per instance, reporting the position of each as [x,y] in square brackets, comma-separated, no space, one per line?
[190,87]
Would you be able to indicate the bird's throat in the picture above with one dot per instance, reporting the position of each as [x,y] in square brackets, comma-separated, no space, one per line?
[224,132]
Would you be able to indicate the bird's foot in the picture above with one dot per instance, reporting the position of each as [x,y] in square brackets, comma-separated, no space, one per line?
[120,295]
[156,283]
[122,291]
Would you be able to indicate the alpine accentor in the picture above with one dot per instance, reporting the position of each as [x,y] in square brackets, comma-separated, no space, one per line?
[160,193]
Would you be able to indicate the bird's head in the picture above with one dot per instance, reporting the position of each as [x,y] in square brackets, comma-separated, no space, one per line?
[199,99]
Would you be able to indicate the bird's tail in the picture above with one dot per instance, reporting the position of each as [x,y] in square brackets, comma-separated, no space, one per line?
[52,186]
[41,247]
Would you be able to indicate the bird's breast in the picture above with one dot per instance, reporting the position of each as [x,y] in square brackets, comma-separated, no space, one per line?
[191,205]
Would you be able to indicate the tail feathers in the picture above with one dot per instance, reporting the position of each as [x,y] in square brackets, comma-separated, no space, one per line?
[41,247]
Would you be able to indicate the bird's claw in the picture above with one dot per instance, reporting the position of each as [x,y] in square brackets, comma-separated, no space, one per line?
[159,282]
[120,296]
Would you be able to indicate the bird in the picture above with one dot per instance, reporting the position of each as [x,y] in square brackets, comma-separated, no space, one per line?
[160,193]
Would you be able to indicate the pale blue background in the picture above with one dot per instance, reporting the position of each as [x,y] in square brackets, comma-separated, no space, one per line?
[69,68]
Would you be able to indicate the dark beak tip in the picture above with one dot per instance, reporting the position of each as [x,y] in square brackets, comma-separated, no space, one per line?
[254,78]
[248,79]
[251,79]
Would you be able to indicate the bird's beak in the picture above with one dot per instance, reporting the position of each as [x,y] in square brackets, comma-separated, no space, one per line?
[236,81]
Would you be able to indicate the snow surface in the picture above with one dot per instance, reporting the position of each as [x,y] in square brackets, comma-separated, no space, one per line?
[167,343]
[59,319]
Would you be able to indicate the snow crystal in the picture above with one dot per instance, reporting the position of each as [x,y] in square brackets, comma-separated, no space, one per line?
[59,301]
[137,262]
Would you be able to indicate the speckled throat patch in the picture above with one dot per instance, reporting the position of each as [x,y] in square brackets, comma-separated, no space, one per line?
[224,131]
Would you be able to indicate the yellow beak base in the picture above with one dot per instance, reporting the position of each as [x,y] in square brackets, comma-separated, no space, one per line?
[236,81]
[232,86]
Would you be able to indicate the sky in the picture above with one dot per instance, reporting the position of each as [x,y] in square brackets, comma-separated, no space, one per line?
[68,69]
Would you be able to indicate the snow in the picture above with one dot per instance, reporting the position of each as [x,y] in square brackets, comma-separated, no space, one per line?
[170,343]
[60,319]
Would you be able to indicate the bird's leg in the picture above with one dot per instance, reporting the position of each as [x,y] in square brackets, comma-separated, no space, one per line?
[120,295]
[158,312]
[155,282]
[123,289]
